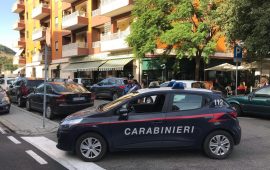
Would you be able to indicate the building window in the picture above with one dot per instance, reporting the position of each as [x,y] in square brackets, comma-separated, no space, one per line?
[56,45]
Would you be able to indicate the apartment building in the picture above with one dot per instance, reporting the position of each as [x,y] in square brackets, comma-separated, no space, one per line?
[87,37]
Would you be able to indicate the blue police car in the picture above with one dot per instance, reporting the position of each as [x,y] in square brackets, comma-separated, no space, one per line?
[174,118]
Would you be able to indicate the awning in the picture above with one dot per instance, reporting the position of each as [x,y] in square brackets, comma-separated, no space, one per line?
[222,67]
[53,66]
[18,70]
[116,64]
[87,66]
[18,54]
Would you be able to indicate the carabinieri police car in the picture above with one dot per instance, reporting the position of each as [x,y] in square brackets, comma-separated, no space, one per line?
[173,118]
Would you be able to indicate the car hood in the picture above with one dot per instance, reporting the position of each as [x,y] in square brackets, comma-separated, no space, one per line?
[82,113]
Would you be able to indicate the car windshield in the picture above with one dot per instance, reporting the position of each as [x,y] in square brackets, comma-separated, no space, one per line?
[33,83]
[69,87]
[118,101]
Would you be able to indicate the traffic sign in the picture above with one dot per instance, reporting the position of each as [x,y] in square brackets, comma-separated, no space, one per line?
[238,54]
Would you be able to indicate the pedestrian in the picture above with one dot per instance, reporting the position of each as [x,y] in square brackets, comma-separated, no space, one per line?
[69,80]
[218,86]
[228,89]
[135,86]
[128,86]
[263,81]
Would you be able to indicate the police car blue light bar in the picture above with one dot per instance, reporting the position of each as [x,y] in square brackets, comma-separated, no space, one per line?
[178,85]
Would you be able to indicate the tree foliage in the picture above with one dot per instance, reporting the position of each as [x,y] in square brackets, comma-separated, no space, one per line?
[248,21]
[188,27]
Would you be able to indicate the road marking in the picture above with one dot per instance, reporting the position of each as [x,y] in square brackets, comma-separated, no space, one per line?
[3,131]
[64,158]
[14,140]
[36,157]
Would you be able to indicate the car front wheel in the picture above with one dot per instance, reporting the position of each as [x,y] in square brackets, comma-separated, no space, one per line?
[49,112]
[91,147]
[218,145]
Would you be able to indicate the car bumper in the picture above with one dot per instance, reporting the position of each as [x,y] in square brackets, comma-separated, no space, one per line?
[71,108]
[4,108]
[65,140]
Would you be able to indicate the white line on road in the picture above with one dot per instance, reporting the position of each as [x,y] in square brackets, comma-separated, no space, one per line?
[3,131]
[14,140]
[36,157]
[67,160]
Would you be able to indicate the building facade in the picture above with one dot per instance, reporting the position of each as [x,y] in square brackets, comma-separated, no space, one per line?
[87,39]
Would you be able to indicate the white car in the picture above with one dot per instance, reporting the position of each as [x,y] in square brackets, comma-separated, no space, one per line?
[187,83]
[6,82]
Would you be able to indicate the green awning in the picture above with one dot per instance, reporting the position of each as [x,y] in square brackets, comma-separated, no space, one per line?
[116,64]
[86,66]
[151,64]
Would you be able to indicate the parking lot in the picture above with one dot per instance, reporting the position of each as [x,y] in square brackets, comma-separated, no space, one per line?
[252,153]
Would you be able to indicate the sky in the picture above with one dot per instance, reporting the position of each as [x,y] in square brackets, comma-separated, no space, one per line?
[8,36]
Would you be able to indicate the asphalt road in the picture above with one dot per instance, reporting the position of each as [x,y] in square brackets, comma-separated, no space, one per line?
[15,153]
[252,153]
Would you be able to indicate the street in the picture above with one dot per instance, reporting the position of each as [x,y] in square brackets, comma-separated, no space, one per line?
[250,154]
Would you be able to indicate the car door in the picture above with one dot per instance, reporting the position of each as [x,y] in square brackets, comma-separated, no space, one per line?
[259,102]
[142,128]
[40,96]
[100,88]
[185,119]
[14,91]
[36,99]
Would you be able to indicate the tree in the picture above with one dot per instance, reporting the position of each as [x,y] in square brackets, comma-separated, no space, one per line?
[247,21]
[187,27]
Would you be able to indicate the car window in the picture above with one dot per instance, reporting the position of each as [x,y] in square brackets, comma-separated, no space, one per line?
[49,89]
[75,80]
[119,82]
[104,82]
[40,89]
[111,82]
[69,87]
[263,91]
[182,102]
[2,81]
[34,83]
[146,104]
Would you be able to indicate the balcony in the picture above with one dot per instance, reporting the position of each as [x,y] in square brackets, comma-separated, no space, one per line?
[75,49]
[21,43]
[96,44]
[19,25]
[75,20]
[117,39]
[41,11]
[96,12]
[39,34]
[37,57]
[69,1]
[112,8]
[18,7]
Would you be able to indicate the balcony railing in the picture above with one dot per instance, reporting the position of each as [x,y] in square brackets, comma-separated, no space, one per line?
[75,20]
[96,12]
[118,35]
[18,6]
[41,11]
[75,49]
[69,1]
[39,34]
[112,8]
[117,39]
[96,44]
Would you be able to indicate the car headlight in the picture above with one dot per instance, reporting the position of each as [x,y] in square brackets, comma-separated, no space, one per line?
[5,100]
[69,123]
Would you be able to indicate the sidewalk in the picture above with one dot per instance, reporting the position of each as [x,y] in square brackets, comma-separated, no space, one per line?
[26,123]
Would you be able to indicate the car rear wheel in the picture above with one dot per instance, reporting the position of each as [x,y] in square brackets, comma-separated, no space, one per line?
[91,147]
[237,108]
[218,145]
[28,105]
[49,112]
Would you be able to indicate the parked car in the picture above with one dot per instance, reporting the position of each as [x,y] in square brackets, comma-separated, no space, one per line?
[111,88]
[62,98]
[187,83]
[4,101]
[85,82]
[257,102]
[20,89]
[6,82]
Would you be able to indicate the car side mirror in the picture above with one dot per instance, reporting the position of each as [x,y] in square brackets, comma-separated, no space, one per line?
[123,114]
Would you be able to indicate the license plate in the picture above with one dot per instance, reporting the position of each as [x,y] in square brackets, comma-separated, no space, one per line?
[78,98]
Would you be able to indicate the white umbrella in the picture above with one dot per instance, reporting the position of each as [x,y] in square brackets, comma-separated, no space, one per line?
[222,67]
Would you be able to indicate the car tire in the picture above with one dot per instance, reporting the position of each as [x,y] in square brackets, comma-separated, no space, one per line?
[19,101]
[88,152]
[220,142]
[49,113]
[115,96]
[28,105]
[237,109]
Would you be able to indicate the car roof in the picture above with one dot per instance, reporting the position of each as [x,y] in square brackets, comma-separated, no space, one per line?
[164,89]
